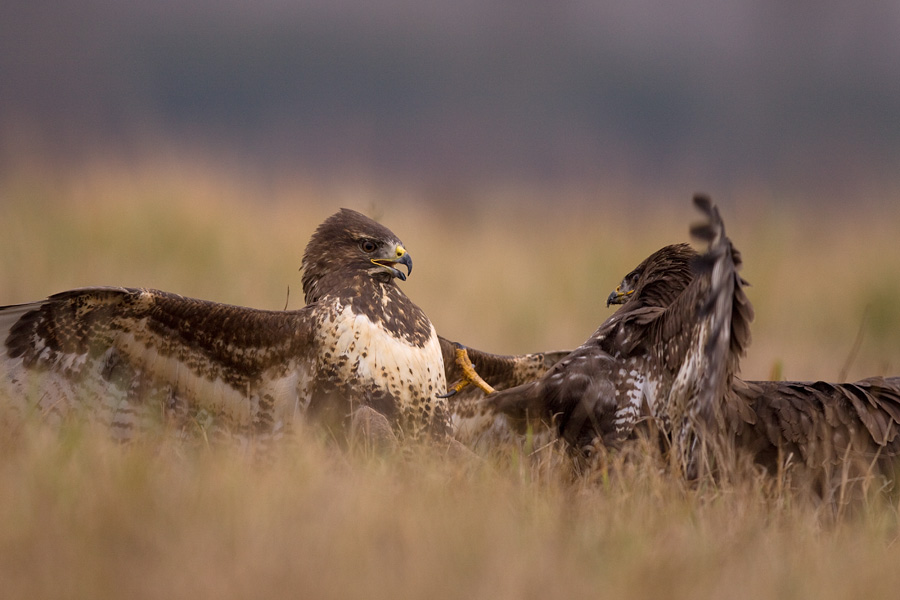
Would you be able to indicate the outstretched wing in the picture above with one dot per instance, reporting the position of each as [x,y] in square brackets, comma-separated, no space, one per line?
[834,432]
[132,355]
[726,312]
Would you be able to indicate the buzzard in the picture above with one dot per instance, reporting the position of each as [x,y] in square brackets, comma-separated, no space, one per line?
[827,436]
[130,358]
[670,344]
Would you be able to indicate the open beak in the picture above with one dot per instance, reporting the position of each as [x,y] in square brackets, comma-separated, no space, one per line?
[402,257]
[618,296]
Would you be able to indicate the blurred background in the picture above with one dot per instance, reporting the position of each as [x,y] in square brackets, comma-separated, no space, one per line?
[805,94]
[529,153]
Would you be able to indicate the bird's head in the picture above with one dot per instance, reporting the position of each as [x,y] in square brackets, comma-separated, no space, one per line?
[659,279]
[625,289]
[350,242]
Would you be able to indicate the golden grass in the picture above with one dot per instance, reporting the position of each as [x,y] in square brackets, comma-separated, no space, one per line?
[82,517]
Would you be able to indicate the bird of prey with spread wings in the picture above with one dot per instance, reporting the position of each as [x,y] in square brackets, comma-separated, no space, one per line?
[824,435]
[827,437]
[133,357]
[655,357]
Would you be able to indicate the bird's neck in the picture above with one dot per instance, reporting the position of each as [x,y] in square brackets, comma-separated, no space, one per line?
[382,302]
[340,285]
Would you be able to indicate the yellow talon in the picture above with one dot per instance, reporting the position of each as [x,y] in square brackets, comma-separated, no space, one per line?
[469,375]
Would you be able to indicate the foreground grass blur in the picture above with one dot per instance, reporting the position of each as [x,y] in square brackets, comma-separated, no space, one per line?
[82,517]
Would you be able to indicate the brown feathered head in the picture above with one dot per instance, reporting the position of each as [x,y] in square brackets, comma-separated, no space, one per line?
[659,279]
[348,242]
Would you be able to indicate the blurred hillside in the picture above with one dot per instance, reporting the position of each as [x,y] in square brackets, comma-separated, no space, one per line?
[799,95]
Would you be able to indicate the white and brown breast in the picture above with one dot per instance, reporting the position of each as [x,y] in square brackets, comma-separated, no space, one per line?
[379,350]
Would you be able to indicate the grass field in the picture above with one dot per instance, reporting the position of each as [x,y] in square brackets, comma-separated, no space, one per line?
[81,517]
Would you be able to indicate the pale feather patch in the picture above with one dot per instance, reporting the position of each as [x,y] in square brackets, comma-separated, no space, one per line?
[363,355]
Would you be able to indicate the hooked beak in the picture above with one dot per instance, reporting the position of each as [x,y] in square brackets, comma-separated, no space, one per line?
[401,256]
[618,296]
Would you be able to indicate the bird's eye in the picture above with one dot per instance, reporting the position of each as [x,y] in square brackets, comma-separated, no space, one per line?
[368,246]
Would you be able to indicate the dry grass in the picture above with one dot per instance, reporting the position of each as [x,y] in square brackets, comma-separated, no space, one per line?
[81,517]
[84,518]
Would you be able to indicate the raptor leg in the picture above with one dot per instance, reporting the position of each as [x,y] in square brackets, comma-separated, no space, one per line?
[469,375]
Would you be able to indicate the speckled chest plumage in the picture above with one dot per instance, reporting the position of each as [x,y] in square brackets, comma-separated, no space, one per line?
[388,360]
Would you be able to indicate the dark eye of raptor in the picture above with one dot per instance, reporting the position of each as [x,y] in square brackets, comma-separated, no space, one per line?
[368,246]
